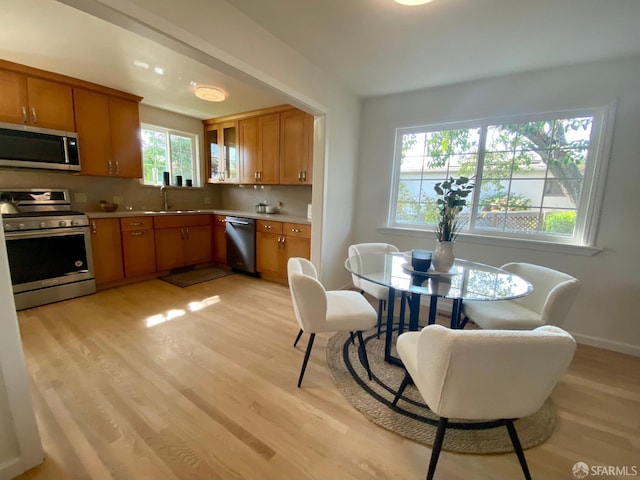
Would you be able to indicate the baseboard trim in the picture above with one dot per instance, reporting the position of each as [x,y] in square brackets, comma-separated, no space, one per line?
[612,345]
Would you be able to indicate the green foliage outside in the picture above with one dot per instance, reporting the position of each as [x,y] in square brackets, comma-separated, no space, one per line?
[156,154]
[560,222]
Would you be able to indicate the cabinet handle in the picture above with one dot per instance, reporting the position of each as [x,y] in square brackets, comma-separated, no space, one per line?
[110,166]
[117,167]
[188,234]
[284,239]
[24,114]
[182,233]
[136,234]
[136,224]
[255,176]
[34,115]
[304,175]
[268,227]
[296,230]
[94,228]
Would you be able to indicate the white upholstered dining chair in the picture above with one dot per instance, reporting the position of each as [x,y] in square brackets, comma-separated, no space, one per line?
[318,310]
[379,292]
[553,295]
[497,375]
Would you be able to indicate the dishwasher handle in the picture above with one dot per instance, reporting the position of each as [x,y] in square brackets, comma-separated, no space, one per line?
[237,222]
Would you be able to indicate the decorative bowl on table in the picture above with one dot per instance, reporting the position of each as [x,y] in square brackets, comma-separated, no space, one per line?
[108,207]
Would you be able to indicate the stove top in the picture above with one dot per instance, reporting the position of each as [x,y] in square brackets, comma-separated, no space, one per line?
[40,209]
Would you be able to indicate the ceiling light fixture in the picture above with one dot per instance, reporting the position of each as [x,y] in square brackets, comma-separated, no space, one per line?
[210,94]
[413,2]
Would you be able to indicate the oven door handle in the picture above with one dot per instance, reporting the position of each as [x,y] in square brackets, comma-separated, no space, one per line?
[58,232]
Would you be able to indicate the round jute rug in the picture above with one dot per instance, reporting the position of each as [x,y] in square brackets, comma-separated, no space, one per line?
[411,418]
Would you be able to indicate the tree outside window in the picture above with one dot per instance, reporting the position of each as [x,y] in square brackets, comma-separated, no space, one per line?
[168,151]
[530,175]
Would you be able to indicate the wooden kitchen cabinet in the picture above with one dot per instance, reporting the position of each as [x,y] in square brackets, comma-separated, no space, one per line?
[220,239]
[222,157]
[108,135]
[276,242]
[296,147]
[106,246]
[182,240]
[259,140]
[138,246]
[36,101]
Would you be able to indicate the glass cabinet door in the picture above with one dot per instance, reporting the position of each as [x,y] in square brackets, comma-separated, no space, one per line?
[222,153]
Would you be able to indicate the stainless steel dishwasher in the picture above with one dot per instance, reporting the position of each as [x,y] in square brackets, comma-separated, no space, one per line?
[241,244]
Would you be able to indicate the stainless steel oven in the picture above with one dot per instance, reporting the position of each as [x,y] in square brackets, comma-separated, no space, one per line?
[49,248]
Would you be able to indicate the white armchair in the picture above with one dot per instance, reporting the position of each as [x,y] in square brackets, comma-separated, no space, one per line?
[484,375]
[379,292]
[552,297]
[318,310]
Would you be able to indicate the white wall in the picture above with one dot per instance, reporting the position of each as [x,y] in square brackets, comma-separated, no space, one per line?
[606,311]
[20,447]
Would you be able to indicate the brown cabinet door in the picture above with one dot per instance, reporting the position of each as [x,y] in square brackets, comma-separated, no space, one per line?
[295,155]
[139,252]
[297,247]
[249,161]
[169,248]
[219,239]
[50,104]
[107,250]
[94,133]
[269,149]
[125,138]
[13,97]
[269,252]
[197,247]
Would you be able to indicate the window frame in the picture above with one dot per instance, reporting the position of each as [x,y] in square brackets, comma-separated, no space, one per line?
[588,210]
[196,164]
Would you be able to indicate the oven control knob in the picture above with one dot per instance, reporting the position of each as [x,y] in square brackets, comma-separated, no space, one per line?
[20,226]
[75,222]
[7,226]
[62,223]
[43,224]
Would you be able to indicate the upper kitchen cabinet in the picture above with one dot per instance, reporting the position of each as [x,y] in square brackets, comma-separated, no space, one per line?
[222,159]
[35,101]
[274,147]
[108,134]
[296,147]
[260,149]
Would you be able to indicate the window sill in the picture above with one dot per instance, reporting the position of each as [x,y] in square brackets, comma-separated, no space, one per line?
[500,242]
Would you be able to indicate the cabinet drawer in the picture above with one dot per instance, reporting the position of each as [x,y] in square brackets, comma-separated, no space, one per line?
[135,223]
[297,230]
[177,221]
[269,226]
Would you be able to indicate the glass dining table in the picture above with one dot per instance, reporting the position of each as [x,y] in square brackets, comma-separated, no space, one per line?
[466,280]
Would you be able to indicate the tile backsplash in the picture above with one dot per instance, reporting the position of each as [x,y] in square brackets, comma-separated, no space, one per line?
[86,192]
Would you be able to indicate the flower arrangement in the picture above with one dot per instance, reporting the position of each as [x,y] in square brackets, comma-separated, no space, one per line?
[453,195]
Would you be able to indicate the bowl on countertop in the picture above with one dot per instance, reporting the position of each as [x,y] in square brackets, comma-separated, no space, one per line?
[108,207]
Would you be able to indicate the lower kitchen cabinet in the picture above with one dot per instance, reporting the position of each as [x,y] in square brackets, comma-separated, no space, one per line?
[182,240]
[138,246]
[220,239]
[276,242]
[107,250]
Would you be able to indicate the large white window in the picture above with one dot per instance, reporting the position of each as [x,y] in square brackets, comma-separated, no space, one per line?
[165,150]
[536,177]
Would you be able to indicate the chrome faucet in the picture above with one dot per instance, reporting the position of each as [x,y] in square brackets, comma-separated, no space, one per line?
[164,191]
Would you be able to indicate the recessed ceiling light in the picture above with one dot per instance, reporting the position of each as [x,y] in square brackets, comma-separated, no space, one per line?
[210,94]
[413,2]
[141,64]
[159,70]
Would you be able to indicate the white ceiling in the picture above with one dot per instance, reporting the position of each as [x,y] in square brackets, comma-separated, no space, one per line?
[374,46]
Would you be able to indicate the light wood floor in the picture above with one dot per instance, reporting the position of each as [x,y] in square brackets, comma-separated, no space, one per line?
[152,381]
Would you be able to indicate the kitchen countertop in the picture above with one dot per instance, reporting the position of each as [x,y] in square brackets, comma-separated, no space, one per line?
[276,217]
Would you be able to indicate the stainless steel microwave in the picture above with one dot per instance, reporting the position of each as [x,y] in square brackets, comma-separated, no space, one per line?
[23,146]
